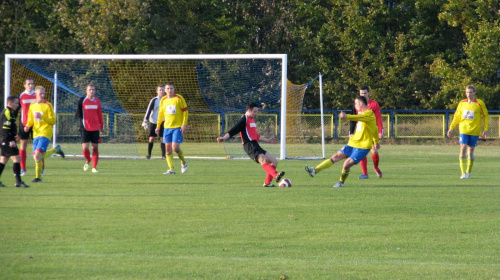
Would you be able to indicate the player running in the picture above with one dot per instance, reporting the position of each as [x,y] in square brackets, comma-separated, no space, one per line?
[247,128]
[372,105]
[359,144]
[41,118]
[469,115]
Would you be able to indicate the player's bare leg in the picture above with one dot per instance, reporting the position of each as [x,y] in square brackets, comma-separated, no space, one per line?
[177,149]
[269,163]
[470,161]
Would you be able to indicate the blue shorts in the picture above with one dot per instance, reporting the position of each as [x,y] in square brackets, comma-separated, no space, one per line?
[469,140]
[171,135]
[40,144]
[355,154]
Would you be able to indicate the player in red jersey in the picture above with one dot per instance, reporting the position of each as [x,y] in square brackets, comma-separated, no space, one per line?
[25,99]
[372,105]
[89,112]
[247,128]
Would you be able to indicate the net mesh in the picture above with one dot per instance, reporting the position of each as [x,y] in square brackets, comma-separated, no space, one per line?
[216,91]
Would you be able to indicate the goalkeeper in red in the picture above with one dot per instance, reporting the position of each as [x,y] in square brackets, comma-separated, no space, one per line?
[472,118]
[173,114]
[89,112]
[247,128]
[41,118]
[359,145]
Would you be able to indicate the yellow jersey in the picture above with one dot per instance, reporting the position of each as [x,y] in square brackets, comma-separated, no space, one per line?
[173,112]
[41,126]
[469,115]
[366,133]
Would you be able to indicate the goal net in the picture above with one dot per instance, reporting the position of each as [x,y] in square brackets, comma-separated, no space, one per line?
[217,89]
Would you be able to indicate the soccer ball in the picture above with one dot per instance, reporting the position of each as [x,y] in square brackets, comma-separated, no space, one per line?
[285,183]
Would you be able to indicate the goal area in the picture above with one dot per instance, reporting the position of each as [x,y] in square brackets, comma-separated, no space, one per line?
[216,88]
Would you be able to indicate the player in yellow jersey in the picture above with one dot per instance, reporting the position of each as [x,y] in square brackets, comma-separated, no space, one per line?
[359,145]
[173,113]
[41,118]
[472,117]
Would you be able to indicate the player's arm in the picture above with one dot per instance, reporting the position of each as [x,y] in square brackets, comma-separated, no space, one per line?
[148,113]
[185,114]
[486,119]
[161,113]
[237,128]
[457,117]
[101,120]
[49,116]
[364,117]
[79,108]
[268,140]
[378,118]
[29,121]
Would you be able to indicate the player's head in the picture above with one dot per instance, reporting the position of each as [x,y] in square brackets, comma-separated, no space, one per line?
[360,103]
[13,102]
[470,92]
[160,90]
[40,94]
[364,90]
[29,84]
[170,89]
[90,90]
[252,109]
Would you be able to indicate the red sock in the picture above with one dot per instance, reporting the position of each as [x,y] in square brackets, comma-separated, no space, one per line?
[375,159]
[86,155]
[364,166]
[95,157]
[270,169]
[269,179]
[22,153]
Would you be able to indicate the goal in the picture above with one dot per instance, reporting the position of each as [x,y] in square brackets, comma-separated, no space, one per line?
[217,89]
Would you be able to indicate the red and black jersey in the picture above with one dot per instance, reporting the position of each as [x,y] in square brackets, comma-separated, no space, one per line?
[247,128]
[90,114]
[25,100]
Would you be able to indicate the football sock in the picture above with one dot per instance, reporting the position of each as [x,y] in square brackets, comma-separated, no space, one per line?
[170,161]
[462,164]
[2,166]
[270,170]
[344,175]
[150,147]
[38,169]
[95,157]
[22,154]
[86,155]
[48,153]
[324,165]
[162,145]
[470,163]
[364,166]
[17,171]
[376,159]
[269,179]
[180,154]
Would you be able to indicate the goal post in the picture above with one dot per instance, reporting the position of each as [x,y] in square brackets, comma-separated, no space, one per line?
[214,86]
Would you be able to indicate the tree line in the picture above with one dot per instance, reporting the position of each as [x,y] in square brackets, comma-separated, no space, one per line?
[417,54]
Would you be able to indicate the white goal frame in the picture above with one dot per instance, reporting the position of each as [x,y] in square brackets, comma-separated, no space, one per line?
[283,57]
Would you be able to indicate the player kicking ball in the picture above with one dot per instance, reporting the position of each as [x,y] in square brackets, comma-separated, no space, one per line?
[359,145]
[247,128]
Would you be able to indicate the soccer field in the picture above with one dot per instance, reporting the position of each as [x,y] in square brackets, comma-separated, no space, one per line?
[420,221]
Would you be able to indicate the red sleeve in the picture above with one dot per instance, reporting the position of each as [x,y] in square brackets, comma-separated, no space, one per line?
[378,117]
[101,122]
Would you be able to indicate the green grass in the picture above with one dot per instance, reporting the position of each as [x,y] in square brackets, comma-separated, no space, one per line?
[216,221]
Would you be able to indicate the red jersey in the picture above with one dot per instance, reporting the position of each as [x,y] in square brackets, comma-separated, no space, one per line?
[247,128]
[25,100]
[90,113]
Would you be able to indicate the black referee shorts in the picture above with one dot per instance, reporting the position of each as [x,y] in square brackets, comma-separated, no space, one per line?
[25,135]
[8,151]
[253,150]
[152,128]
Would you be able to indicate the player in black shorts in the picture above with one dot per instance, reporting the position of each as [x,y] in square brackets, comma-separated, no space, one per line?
[248,130]
[152,116]
[8,136]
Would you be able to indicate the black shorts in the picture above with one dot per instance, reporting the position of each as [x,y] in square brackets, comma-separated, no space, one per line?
[253,150]
[152,128]
[90,136]
[8,151]
[25,135]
